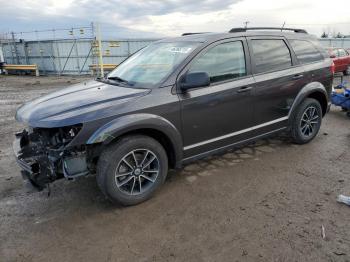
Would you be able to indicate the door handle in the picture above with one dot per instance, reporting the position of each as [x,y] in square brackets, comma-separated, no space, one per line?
[244,89]
[298,76]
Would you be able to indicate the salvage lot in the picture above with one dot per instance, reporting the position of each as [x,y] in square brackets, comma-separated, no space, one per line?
[264,202]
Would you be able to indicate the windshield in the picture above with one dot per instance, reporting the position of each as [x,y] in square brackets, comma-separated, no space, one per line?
[152,64]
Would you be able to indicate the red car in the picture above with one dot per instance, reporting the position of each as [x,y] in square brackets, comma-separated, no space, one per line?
[341,59]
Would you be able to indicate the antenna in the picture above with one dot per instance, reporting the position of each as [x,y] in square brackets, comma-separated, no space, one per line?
[284,23]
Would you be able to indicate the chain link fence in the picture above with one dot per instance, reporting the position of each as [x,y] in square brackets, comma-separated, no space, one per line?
[336,42]
[72,51]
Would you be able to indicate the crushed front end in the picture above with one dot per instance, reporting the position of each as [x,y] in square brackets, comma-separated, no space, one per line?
[44,154]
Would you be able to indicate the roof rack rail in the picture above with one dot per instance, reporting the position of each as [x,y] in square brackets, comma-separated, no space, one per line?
[184,34]
[241,29]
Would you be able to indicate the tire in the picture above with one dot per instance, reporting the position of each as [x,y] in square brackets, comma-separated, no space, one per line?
[122,180]
[347,71]
[306,121]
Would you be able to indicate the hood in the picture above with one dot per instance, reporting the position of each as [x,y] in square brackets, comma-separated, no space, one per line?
[77,104]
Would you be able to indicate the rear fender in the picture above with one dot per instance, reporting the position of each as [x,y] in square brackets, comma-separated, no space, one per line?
[307,91]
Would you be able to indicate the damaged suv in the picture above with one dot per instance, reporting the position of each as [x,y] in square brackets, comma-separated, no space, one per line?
[173,102]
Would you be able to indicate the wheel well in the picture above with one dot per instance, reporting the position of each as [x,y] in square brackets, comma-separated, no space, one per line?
[161,138]
[320,97]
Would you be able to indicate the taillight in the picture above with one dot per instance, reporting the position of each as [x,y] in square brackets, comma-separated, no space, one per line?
[333,68]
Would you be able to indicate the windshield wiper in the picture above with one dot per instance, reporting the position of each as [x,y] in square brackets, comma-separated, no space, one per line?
[117,78]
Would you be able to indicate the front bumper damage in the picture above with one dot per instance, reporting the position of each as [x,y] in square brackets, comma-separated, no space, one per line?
[45,156]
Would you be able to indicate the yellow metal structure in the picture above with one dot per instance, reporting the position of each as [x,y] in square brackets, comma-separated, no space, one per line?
[107,67]
[22,67]
[114,44]
[100,58]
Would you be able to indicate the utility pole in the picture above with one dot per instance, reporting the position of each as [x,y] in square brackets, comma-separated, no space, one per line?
[246,24]
[15,47]
[100,60]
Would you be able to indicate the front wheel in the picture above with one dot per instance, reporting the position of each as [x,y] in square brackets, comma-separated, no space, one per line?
[306,121]
[132,169]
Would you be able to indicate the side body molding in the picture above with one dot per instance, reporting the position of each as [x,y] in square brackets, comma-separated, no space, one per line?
[313,87]
[128,123]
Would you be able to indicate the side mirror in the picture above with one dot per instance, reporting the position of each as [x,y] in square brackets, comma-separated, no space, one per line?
[193,80]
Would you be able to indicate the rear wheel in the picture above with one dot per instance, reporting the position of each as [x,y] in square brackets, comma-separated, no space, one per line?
[306,121]
[132,169]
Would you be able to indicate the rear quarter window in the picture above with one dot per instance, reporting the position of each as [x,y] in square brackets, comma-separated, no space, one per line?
[306,51]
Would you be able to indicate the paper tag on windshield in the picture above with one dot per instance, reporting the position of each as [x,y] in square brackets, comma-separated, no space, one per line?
[183,50]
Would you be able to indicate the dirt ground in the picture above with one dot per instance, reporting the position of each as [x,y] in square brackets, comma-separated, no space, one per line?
[265,202]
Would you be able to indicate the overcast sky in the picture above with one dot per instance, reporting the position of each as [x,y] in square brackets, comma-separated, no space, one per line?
[154,18]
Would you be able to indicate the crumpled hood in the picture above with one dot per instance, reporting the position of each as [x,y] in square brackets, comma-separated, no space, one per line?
[77,104]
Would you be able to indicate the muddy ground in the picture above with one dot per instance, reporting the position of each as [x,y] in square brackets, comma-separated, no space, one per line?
[265,202]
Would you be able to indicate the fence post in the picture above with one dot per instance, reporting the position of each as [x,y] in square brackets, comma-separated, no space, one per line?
[41,51]
[128,43]
[100,60]
[77,56]
[25,48]
[15,47]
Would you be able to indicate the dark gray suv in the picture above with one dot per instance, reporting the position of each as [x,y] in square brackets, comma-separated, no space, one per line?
[173,102]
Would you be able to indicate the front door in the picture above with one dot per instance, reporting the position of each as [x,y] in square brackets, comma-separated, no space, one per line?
[214,116]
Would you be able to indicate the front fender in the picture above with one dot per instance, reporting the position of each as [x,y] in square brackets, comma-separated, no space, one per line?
[124,124]
[306,91]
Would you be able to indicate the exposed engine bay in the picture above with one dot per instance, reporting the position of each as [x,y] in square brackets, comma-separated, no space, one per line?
[45,155]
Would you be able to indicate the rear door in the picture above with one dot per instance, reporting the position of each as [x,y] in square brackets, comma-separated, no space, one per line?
[278,80]
[214,116]
[311,55]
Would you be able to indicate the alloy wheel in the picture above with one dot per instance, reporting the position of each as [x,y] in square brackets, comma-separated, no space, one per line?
[137,171]
[309,121]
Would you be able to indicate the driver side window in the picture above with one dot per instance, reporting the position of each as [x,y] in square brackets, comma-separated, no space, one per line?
[222,62]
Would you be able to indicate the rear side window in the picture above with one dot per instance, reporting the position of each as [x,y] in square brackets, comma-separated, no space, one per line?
[305,51]
[222,62]
[271,55]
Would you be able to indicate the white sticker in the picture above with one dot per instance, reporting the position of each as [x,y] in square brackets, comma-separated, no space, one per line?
[183,50]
